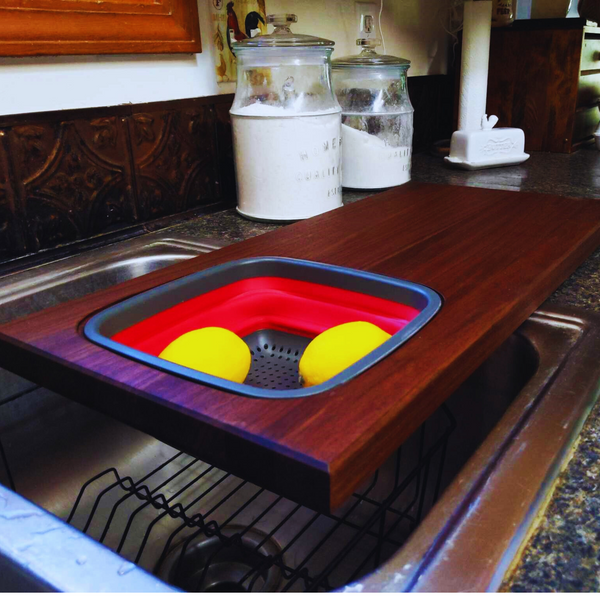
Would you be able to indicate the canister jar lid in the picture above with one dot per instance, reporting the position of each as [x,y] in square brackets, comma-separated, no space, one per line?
[283,36]
[369,58]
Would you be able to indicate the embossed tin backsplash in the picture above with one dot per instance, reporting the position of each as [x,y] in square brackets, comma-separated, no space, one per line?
[72,175]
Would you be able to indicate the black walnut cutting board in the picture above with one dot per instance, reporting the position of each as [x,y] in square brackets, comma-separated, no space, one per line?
[493,255]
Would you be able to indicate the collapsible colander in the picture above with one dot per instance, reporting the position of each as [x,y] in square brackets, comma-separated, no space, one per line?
[277,305]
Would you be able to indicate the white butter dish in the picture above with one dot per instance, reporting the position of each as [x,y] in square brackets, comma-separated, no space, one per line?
[487,147]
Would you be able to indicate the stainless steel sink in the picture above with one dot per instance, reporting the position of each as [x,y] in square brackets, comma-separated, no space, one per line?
[490,455]
[35,289]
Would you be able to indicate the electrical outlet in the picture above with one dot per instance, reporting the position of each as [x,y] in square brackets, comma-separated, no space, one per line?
[367,14]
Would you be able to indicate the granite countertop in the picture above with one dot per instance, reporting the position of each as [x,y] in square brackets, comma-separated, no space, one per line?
[564,552]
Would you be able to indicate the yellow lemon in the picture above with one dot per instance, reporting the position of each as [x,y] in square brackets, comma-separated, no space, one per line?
[212,350]
[337,348]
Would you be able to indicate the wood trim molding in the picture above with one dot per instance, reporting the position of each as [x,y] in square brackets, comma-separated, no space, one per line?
[120,27]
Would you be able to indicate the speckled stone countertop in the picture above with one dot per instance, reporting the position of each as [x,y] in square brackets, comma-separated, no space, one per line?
[564,552]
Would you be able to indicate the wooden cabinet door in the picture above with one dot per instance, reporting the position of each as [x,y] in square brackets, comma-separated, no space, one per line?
[43,27]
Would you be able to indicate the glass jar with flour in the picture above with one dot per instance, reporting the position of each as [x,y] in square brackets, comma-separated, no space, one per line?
[286,126]
[377,118]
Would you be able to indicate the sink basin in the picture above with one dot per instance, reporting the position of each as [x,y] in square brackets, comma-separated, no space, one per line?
[50,284]
[447,512]
[473,536]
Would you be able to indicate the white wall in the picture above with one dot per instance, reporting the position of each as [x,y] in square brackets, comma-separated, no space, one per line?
[410,27]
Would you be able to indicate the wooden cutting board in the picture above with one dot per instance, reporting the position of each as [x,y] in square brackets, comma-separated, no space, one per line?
[493,255]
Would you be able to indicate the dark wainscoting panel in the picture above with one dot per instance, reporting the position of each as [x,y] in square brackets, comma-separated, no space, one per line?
[71,175]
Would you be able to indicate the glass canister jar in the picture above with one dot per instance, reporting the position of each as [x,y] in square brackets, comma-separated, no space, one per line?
[377,118]
[286,126]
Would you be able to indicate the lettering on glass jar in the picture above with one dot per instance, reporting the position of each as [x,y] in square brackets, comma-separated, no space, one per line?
[400,152]
[318,173]
[326,146]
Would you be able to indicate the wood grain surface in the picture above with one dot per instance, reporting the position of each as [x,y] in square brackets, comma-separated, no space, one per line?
[56,27]
[534,83]
[493,255]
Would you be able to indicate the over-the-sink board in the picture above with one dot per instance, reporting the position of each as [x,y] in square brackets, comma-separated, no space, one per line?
[493,255]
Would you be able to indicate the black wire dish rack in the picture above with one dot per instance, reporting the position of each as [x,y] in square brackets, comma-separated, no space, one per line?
[202,529]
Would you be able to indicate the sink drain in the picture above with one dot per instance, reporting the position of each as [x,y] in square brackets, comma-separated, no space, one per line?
[211,566]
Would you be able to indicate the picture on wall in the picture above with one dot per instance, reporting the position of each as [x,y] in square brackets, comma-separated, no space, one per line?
[234,21]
